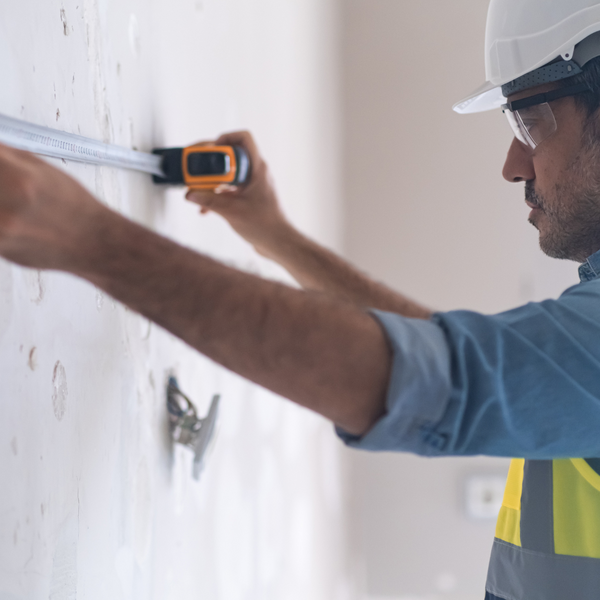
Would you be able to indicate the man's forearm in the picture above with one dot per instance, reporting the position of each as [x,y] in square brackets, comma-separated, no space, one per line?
[316,268]
[324,354]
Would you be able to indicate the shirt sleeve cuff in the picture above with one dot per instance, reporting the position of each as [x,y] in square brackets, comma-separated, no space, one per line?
[418,392]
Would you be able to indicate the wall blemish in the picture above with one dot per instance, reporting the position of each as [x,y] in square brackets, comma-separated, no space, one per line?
[35,282]
[60,392]
[32,360]
[14,445]
[63,19]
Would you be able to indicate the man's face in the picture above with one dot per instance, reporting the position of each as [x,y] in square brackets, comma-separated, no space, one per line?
[562,180]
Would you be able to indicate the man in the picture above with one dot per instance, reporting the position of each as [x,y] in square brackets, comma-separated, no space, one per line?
[398,377]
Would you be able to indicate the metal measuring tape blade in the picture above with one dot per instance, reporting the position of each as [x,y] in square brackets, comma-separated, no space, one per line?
[200,167]
[186,427]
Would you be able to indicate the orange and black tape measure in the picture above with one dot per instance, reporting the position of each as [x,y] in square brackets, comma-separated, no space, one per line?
[204,167]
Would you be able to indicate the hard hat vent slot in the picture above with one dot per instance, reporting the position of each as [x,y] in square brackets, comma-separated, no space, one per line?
[550,73]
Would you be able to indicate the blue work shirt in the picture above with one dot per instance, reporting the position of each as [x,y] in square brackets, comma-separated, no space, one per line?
[525,382]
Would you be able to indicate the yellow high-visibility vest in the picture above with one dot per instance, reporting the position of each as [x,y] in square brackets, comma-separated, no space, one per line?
[547,544]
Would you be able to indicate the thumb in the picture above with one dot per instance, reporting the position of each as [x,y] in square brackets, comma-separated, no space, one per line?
[211,200]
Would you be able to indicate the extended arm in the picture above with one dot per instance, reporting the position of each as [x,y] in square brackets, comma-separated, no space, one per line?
[322,353]
[255,214]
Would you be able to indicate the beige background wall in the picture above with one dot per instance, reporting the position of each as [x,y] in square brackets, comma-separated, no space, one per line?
[428,212]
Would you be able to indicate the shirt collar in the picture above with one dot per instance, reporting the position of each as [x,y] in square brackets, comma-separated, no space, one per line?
[590,269]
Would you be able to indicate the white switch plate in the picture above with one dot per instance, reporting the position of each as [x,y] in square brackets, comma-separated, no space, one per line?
[483,495]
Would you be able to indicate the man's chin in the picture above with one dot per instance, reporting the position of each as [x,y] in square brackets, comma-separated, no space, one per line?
[559,249]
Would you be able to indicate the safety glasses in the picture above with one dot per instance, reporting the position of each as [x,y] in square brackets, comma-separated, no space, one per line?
[532,119]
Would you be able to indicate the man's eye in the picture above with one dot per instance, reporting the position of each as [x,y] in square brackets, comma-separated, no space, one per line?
[531,123]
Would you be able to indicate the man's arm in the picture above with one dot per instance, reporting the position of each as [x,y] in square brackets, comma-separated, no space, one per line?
[322,353]
[254,212]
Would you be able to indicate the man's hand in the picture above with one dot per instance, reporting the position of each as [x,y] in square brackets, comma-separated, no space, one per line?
[45,216]
[252,210]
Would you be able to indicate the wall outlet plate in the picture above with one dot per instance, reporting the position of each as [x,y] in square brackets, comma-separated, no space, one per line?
[483,495]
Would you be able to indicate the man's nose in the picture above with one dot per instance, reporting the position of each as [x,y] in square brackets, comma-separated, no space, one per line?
[519,163]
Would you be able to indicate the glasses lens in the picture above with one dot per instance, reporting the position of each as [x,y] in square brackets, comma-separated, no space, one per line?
[536,122]
[516,126]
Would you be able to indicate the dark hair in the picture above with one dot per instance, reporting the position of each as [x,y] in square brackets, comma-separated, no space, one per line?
[589,101]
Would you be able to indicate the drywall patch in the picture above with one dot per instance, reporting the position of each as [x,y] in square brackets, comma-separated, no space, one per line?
[99,299]
[146,329]
[301,540]
[134,36]
[125,568]
[271,520]
[235,535]
[60,392]
[14,446]
[330,469]
[143,512]
[63,585]
[32,360]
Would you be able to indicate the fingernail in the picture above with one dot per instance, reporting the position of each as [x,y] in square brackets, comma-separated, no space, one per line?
[225,187]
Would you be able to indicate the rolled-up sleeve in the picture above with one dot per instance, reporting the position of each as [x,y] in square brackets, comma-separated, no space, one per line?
[418,392]
[524,383]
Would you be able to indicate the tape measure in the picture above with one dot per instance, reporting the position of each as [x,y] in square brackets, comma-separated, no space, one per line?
[199,167]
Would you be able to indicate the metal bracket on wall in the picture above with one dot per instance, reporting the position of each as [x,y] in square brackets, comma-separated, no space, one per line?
[186,427]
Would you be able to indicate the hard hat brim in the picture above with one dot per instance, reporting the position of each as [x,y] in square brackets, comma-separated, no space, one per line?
[486,97]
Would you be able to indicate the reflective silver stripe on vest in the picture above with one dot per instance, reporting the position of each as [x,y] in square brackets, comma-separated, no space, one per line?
[537,511]
[518,574]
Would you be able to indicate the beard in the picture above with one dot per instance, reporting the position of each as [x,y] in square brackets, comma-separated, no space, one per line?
[570,227]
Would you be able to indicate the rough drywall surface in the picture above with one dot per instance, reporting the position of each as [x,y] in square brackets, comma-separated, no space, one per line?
[96,502]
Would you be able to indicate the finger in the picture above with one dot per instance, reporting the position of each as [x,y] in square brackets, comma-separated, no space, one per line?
[204,143]
[243,139]
[201,198]
[208,200]
[9,152]
[225,188]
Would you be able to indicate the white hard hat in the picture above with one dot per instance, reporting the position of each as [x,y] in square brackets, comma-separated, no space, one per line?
[530,42]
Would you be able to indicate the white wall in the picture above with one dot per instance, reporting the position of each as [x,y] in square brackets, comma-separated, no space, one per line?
[429,213]
[96,503]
